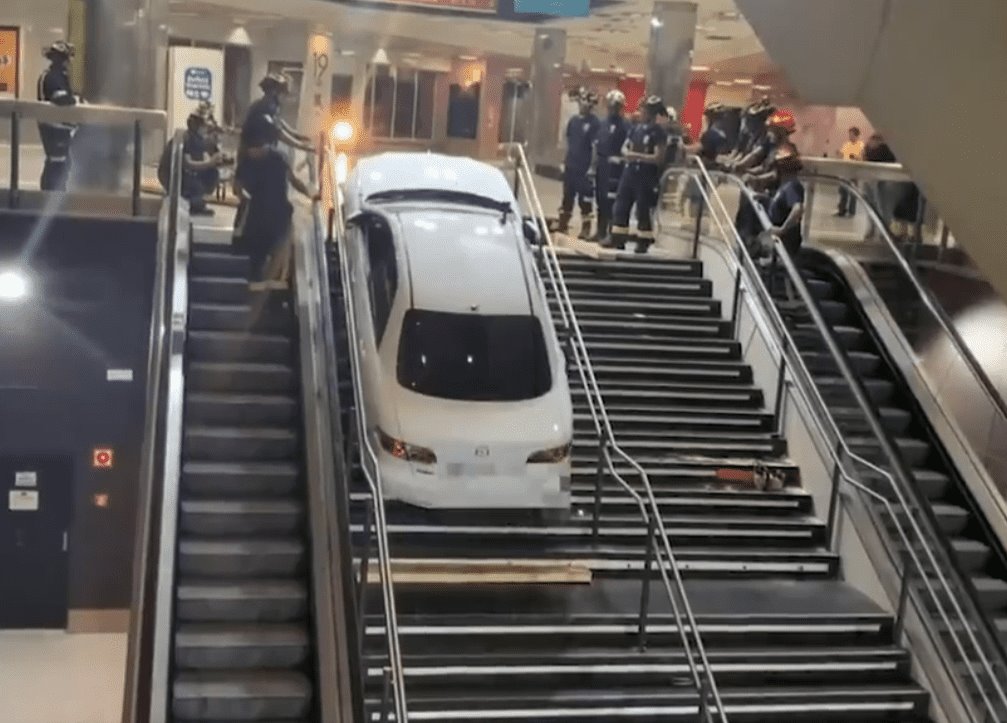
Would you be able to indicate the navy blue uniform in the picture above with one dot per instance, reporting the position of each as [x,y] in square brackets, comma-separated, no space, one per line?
[194,189]
[581,133]
[612,135]
[638,187]
[779,206]
[54,87]
[264,221]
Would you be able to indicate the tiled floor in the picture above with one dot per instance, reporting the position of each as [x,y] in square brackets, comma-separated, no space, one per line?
[54,677]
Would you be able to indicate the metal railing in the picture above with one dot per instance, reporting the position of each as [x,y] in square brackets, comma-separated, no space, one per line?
[375,521]
[658,541]
[137,119]
[920,559]
[149,654]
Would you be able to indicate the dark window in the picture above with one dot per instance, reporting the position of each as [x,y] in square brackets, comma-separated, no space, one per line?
[399,103]
[383,278]
[473,357]
[463,111]
[342,94]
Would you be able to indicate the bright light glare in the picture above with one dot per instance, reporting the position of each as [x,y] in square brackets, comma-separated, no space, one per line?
[13,286]
[656,23]
[342,131]
[342,168]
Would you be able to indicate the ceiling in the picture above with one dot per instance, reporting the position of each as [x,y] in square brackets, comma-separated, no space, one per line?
[614,36]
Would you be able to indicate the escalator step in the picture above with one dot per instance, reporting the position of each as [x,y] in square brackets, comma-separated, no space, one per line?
[258,600]
[240,558]
[241,377]
[255,479]
[239,346]
[217,646]
[210,518]
[241,409]
[226,696]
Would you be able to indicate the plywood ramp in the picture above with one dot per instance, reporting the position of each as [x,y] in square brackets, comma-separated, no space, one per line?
[483,572]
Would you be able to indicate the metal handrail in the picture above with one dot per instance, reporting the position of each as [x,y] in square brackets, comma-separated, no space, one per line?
[144,574]
[810,390]
[706,685]
[925,295]
[395,678]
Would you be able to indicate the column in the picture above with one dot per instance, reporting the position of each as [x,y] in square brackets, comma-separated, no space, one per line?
[125,50]
[669,51]
[547,57]
[316,89]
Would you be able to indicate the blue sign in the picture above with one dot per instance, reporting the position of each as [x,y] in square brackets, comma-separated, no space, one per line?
[562,8]
[198,84]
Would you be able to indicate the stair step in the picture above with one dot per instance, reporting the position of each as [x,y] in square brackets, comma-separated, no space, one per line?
[638,394]
[677,326]
[835,390]
[241,409]
[219,696]
[664,421]
[625,288]
[238,444]
[258,600]
[609,350]
[245,479]
[666,307]
[244,558]
[627,266]
[208,517]
[216,646]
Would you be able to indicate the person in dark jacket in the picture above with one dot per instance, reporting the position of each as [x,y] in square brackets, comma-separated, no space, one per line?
[581,134]
[609,163]
[54,87]
[645,155]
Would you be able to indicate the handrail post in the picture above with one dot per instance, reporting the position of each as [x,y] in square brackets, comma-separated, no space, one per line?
[15,159]
[137,165]
[698,230]
[736,303]
[365,573]
[648,561]
[781,388]
[704,698]
[900,614]
[599,472]
[832,523]
[386,692]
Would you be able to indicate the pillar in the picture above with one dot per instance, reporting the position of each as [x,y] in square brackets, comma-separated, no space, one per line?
[669,50]
[547,57]
[316,89]
[125,51]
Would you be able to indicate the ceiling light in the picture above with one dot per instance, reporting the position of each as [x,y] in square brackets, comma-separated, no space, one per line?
[468,57]
[656,22]
[742,81]
[700,68]
[347,53]
[724,83]
[13,286]
[762,87]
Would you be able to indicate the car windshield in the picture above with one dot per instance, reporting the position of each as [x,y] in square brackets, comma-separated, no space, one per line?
[473,357]
[436,194]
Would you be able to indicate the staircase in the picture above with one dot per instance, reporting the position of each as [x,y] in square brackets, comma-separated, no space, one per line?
[786,639]
[242,634]
[971,544]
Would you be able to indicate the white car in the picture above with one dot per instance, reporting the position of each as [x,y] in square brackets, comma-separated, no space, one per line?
[464,381]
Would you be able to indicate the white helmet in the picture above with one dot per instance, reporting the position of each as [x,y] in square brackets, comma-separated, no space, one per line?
[615,97]
[672,114]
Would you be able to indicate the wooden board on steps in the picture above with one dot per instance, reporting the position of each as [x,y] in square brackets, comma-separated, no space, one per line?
[483,572]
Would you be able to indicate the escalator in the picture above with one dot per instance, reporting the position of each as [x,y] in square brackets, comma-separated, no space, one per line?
[980,557]
[238,608]
[242,639]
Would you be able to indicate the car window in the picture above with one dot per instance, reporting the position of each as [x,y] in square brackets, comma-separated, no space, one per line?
[383,279]
[473,357]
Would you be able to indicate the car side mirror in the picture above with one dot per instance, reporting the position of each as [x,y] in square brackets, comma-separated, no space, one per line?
[532,231]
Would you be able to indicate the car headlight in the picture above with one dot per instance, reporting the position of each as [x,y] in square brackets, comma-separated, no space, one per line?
[405,451]
[553,455]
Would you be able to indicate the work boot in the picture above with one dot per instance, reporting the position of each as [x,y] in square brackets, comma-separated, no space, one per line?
[585,228]
[643,244]
[616,241]
[563,224]
[602,231]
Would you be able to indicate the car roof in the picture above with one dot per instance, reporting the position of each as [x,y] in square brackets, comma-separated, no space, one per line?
[429,171]
[464,261]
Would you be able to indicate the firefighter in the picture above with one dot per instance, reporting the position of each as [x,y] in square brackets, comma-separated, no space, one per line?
[753,127]
[645,155]
[581,133]
[780,125]
[609,163]
[263,125]
[54,87]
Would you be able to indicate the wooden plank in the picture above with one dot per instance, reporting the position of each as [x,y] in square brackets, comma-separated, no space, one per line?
[483,572]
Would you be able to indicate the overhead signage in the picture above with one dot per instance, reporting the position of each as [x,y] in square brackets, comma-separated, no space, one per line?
[475,6]
[559,8]
[198,84]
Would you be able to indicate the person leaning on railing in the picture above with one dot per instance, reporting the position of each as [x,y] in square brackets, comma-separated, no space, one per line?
[54,87]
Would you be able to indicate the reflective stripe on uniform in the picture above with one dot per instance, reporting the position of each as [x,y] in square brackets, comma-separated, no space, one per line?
[646,235]
[620,229]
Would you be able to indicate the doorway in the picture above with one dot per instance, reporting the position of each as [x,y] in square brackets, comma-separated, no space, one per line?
[513,111]
[35,512]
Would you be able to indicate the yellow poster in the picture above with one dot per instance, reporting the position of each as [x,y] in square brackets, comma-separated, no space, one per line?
[9,56]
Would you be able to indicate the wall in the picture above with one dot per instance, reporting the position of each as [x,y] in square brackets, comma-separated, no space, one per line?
[823,129]
[88,312]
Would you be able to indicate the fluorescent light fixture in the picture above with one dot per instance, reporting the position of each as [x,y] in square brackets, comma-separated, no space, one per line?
[742,81]
[700,68]
[13,286]
[762,87]
[380,57]
[346,53]
[468,57]
[724,83]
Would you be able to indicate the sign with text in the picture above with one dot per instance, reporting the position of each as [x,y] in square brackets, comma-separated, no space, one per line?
[560,8]
[10,51]
[475,6]
[195,75]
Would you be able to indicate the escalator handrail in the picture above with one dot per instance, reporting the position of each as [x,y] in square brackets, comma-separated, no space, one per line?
[325,476]
[810,391]
[148,661]
[369,464]
[706,683]
[925,295]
